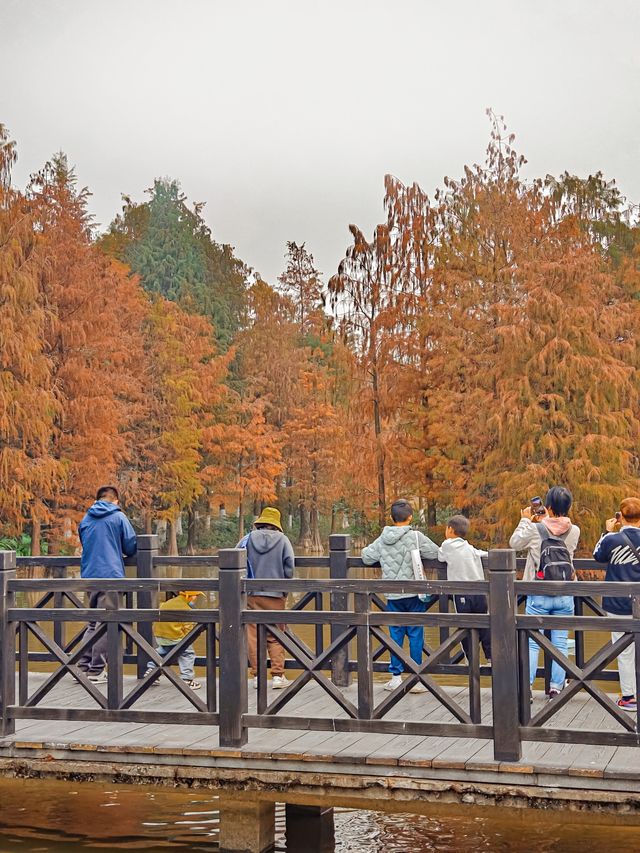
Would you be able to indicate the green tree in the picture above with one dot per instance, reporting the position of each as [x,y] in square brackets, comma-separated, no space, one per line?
[169,245]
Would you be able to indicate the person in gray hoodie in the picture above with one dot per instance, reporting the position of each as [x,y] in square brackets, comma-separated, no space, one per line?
[269,556]
[392,549]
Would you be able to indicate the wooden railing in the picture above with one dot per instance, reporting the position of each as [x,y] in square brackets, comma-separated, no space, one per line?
[352,609]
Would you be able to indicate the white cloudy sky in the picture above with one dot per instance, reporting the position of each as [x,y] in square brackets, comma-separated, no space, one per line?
[284,115]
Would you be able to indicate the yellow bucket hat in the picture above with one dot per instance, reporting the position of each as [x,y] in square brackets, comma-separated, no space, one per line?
[191,592]
[270,515]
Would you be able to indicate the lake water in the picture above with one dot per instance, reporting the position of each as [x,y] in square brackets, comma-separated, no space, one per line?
[38,816]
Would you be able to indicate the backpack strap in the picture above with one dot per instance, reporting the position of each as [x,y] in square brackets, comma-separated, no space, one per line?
[627,539]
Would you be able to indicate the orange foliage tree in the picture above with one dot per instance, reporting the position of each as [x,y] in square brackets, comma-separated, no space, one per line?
[91,342]
[29,474]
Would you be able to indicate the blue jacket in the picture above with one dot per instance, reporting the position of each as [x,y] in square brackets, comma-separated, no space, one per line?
[622,565]
[105,534]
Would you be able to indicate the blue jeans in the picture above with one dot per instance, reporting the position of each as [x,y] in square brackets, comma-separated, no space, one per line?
[415,633]
[185,660]
[558,605]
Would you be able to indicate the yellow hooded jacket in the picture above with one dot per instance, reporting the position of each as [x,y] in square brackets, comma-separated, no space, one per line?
[173,632]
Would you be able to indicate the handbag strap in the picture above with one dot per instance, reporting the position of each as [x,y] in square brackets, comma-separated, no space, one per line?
[627,539]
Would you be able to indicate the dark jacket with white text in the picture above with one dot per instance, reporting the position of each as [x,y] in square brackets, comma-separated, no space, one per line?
[623,565]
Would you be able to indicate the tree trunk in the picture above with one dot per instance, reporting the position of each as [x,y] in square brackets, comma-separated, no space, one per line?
[36,533]
[316,539]
[172,549]
[161,531]
[377,426]
[191,529]
[304,536]
[334,518]
[431,514]
[148,523]
[240,519]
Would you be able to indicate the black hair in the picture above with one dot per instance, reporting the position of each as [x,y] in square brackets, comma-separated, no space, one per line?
[459,524]
[266,527]
[107,492]
[401,510]
[558,500]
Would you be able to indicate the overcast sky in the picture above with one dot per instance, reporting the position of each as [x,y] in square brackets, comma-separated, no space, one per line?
[284,115]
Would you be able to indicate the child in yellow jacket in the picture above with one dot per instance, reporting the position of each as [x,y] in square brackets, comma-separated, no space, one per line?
[169,634]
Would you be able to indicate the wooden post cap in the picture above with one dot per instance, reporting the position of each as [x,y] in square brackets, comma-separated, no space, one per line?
[340,542]
[502,560]
[232,558]
[7,560]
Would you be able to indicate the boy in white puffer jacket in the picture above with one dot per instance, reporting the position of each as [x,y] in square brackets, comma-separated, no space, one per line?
[392,549]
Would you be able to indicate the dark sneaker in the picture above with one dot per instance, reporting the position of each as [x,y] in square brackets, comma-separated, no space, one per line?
[628,703]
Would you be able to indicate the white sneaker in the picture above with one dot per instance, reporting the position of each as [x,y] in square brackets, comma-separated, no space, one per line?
[418,688]
[254,681]
[99,678]
[279,681]
[394,682]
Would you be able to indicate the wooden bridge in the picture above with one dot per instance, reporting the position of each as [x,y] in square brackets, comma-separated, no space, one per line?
[474,735]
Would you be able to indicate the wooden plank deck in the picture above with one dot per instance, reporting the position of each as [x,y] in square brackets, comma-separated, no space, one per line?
[319,758]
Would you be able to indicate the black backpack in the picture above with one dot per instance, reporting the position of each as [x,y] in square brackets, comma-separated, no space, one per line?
[555,559]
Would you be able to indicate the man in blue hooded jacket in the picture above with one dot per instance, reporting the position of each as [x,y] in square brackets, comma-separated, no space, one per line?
[105,535]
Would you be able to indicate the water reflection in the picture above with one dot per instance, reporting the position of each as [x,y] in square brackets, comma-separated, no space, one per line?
[57,817]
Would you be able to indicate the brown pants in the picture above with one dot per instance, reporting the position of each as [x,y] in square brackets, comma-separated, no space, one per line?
[274,650]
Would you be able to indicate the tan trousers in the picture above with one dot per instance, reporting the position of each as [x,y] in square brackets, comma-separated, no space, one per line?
[274,650]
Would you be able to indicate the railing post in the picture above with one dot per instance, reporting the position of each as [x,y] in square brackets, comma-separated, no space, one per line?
[147,551]
[339,548]
[365,659]
[443,607]
[504,655]
[233,647]
[114,653]
[7,643]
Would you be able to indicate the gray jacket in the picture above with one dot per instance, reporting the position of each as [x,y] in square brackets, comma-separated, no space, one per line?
[392,549]
[271,556]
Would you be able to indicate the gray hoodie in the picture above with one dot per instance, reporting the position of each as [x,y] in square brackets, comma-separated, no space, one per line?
[271,556]
[392,549]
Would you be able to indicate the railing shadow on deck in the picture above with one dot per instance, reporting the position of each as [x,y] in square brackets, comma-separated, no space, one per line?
[354,612]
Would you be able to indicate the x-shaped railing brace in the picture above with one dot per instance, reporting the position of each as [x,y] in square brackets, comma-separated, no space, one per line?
[580,678]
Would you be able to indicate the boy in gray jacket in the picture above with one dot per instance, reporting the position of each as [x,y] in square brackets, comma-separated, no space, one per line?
[392,549]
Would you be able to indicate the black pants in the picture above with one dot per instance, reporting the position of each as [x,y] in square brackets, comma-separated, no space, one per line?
[474,604]
[94,659]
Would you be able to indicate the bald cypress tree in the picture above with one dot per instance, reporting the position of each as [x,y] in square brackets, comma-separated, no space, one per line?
[533,353]
[29,475]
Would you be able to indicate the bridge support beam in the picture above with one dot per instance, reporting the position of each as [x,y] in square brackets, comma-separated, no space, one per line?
[310,829]
[246,825]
